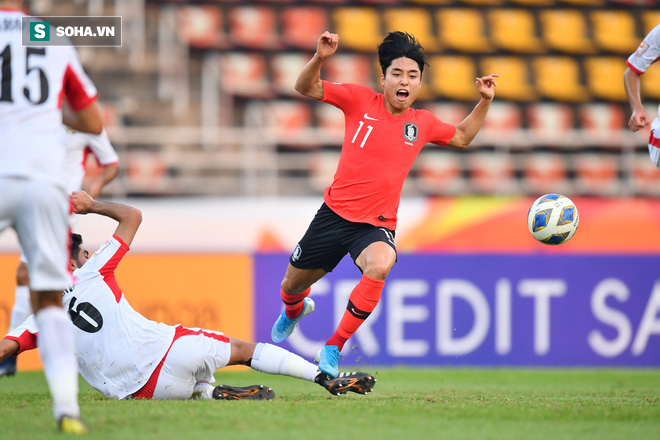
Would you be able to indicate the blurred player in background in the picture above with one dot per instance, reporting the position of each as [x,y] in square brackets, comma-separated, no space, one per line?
[78,147]
[122,354]
[34,201]
[383,136]
[646,54]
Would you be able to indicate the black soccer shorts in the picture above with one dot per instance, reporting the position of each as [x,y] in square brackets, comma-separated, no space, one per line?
[330,237]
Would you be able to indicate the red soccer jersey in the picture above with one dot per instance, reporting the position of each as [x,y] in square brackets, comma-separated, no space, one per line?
[378,151]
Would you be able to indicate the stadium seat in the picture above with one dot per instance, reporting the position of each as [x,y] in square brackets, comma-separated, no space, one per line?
[586,2]
[514,82]
[439,172]
[504,119]
[615,31]
[302,26]
[545,172]
[288,117]
[416,21]
[254,27]
[201,26]
[605,77]
[449,112]
[645,178]
[535,2]
[483,2]
[491,172]
[432,2]
[650,19]
[558,78]
[597,174]
[550,121]
[349,68]
[463,29]
[330,118]
[651,82]
[285,69]
[452,77]
[602,119]
[566,30]
[244,74]
[514,30]
[359,28]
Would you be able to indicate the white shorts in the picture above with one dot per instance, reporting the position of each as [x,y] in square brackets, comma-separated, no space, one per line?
[39,213]
[194,356]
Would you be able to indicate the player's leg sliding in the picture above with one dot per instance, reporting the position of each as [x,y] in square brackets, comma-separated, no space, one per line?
[296,307]
[355,382]
[252,392]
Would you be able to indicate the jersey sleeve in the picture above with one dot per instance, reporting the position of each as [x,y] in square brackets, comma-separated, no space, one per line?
[102,148]
[78,89]
[647,53]
[340,95]
[106,258]
[25,334]
[440,133]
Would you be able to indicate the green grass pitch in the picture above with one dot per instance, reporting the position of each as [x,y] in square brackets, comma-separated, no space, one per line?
[407,404]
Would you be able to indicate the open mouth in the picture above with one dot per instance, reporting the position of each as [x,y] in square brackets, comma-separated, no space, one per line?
[402,94]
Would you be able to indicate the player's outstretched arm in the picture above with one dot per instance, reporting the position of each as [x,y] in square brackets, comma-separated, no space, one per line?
[8,347]
[469,127]
[309,81]
[129,218]
[639,118]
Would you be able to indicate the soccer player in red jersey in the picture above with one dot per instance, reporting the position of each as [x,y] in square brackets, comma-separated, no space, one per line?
[383,136]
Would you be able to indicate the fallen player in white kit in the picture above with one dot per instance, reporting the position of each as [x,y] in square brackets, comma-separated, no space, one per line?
[124,355]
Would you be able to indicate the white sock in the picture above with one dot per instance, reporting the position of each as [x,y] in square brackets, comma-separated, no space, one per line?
[203,391]
[22,307]
[56,343]
[271,359]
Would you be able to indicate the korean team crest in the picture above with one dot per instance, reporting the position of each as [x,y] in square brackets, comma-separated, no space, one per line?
[410,131]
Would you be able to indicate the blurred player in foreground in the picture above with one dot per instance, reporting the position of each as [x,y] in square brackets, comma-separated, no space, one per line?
[122,354]
[383,136]
[78,147]
[34,201]
[646,54]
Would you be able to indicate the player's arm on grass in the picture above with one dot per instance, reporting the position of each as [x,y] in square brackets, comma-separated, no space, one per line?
[129,218]
[639,118]
[467,129]
[309,81]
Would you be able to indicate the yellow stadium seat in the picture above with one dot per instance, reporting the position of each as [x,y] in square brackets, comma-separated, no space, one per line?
[558,78]
[433,2]
[650,19]
[535,2]
[605,77]
[651,82]
[415,21]
[453,77]
[483,2]
[615,31]
[566,30]
[358,28]
[514,82]
[514,30]
[463,29]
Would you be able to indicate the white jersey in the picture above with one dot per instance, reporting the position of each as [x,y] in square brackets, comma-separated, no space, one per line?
[646,54]
[118,349]
[78,146]
[34,82]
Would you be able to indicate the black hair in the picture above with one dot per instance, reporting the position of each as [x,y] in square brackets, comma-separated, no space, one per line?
[76,244]
[399,44]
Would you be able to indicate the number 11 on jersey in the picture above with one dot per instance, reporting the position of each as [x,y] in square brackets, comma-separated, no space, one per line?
[369,128]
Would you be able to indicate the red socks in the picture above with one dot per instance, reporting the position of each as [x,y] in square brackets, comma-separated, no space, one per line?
[363,300]
[293,302]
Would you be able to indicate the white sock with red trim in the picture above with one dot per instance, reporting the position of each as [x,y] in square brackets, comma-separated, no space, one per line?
[56,343]
[22,308]
[271,359]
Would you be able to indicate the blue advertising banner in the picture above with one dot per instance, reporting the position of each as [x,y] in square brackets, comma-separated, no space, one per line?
[484,310]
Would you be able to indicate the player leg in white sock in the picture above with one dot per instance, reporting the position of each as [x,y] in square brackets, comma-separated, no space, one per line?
[56,344]
[271,359]
[22,308]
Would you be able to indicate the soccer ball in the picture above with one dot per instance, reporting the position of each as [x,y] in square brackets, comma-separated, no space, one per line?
[553,219]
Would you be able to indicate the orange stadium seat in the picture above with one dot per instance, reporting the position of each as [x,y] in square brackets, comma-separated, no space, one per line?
[545,172]
[514,30]
[244,74]
[302,26]
[329,118]
[433,2]
[440,172]
[615,31]
[349,68]
[504,118]
[359,28]
[254,27]
[650,19]
[452,77]
[416,21]
[201,26]
[463,29]
[601,118]
[597,173]
[287,117]
[491,172]
[514,82]
[645,177]
[546,120]
[605,77]
[585,2]
[535,2]
[651,82]
[285,69]
[483,2]
[566,30]
[558,78]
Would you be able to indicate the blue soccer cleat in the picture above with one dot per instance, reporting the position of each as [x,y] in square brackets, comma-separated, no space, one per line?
[328,360]
[284,325]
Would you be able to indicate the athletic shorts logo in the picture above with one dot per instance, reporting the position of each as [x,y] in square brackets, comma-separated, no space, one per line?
[297,252]
[410,131]
[388,234]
